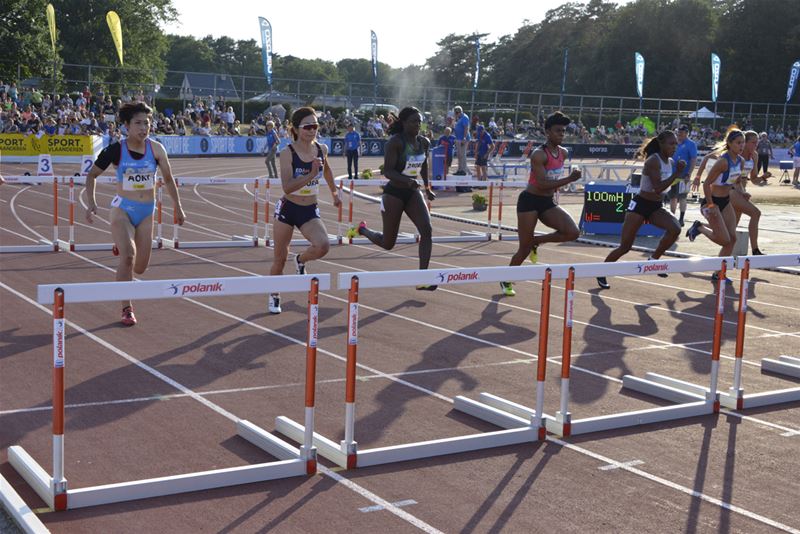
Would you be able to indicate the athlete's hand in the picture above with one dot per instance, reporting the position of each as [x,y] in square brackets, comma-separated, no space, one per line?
[696,184]
[575,175]
[316,165]
[336,200]
[680,165]
[431,195]
[91,209]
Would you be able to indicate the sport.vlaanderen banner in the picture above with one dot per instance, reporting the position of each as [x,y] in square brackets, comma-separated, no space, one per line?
[266,48]
[639,66]
[716,66]
[793,75]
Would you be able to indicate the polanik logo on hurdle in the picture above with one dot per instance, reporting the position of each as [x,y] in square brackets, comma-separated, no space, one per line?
[195,289]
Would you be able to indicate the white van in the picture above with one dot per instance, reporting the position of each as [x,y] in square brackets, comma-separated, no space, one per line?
[371,107]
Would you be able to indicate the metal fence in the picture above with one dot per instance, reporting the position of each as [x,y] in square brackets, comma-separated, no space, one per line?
[591,110]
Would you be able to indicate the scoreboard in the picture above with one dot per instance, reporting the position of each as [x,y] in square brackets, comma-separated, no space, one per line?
[604,208]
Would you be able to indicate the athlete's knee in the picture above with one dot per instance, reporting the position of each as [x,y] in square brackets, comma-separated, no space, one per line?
[280,256]
[571,234]
[323,247]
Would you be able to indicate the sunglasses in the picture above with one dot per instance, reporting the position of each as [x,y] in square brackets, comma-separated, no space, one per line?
[309,126]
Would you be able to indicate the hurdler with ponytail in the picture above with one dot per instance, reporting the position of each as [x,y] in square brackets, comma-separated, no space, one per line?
[645,207]
[716,206]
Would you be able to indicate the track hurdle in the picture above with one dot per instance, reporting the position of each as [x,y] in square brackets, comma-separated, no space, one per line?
[45,245]
[291,461]
[735,398]
[516,429]
[688,404]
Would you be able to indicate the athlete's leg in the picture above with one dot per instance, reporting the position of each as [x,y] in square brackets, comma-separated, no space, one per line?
[561,221]
[729,220]
[716,229]
[391,212]
[281,237]
[742,205]
[143,238]
[314,230]
[417,211]
[526,224]
[123,233]
[633,221]
[671,227]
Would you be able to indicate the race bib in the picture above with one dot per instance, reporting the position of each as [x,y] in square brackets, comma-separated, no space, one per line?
[414,166]
[137,180]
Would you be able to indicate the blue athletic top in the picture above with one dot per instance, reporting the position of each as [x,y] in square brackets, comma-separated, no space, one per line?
[730,176]
[685,151]
[137,174]
[352,140]
[303,168]
[796,149]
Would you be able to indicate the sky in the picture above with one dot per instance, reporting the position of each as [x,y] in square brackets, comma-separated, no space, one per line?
[407,29]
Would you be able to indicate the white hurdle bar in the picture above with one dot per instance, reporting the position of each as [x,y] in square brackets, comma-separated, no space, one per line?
[735,398]
[291,461]
[690,404]
[516,429]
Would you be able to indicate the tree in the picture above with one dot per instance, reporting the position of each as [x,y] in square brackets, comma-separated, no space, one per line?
[25,40]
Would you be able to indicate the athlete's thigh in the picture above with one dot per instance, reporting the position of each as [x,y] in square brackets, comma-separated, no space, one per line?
[662,219]
[391,212]
[526,224]
[314,230]
[417,211]
[557,218]
[122,230]
[143,237]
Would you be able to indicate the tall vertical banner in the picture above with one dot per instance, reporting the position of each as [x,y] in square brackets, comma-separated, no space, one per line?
[477,63]
[51,23]
[716,65]
[266,48]
[374,47]
[793,75]
[639,65]
[115,26]
[564,78]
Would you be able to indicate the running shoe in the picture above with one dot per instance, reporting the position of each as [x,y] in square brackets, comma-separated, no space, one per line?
[361,227]
[114,250]
[534,255]
[757,252]
[427,288]
[300,267]
[603,282]
[693,231]
[274,303]
[507,288]
[128,318]
[355,231]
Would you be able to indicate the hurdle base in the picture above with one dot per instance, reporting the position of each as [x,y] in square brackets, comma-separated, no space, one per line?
[19,510]
[666,388]
[629,419]
[33,473]
[516,431]
[266,441]
[22,249]
[784,365]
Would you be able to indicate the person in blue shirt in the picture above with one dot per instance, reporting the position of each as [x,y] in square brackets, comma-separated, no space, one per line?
[795,152]
[461,132]
[484,145]
[686,152]
[271,149]
[448,140]
[352,149]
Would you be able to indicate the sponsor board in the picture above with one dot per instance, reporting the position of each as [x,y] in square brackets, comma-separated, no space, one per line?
[56,145]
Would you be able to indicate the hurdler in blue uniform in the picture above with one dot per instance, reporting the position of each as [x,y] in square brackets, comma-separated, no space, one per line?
[137,160]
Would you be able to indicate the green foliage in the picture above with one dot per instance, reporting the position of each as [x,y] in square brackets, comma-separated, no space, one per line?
[25,40]
[366,174]
[478,199]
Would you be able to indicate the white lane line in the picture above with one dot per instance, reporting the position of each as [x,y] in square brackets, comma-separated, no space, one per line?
[618,465]
[672,485]
[370,496]
[378,508]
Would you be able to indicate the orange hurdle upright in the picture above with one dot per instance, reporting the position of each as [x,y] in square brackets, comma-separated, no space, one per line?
[307,451]
[59,361]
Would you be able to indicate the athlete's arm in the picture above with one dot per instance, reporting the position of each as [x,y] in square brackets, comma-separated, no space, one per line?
[104,159]
[653,169]
[328,174]
[169,181]
[424,173]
